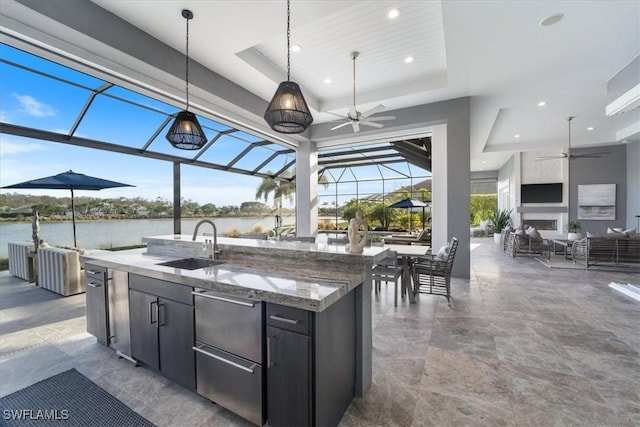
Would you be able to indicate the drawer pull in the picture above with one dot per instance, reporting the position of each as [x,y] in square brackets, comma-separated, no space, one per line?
[279,318]
[223,360]
[94,285]
[217,298]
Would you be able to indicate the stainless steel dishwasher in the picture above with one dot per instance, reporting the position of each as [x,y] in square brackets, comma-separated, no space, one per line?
[229,354]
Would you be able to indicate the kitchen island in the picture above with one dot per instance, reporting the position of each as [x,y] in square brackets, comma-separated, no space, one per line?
[274,331]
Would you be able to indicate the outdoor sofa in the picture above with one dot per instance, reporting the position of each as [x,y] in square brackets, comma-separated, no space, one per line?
[607,249]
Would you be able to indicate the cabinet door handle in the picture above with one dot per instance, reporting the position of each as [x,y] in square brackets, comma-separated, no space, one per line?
[217,298]
[279,318]
[223,360]
[158,314]
[269,363]
[92,272]
[151,321]
[94,285]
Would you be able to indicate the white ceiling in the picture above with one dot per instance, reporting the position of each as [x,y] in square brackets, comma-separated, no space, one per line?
[493,51]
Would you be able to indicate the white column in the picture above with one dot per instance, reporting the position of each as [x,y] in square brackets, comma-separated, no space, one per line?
[439,183]
[307,189]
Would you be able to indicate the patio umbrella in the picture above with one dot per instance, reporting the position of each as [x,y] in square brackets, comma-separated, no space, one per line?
[410,203]
[69,181]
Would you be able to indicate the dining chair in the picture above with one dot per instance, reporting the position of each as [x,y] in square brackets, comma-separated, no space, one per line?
[387,270]
[432,273]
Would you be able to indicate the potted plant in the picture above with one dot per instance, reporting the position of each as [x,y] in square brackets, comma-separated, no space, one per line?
[574,230]
[500,219]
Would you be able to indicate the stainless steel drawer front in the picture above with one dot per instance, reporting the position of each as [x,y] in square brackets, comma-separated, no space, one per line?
[233,325]
[230,381]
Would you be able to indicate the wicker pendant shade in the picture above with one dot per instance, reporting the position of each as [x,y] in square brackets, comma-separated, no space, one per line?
[288,111]
[186,133]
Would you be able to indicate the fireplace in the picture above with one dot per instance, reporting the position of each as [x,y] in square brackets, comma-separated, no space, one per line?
[542,224]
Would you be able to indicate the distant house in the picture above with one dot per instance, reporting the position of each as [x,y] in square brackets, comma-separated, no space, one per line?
[142,211]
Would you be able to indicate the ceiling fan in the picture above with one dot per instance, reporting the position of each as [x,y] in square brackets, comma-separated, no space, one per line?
[570,155]
[356,118]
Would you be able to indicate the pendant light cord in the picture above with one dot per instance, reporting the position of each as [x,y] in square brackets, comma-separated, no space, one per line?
[187,67]
[569,120]
[354,55]
[288,41]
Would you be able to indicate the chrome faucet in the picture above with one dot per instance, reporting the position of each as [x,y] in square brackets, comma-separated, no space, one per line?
[215,235]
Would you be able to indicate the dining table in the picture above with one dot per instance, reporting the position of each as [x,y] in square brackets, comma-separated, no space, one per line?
[407,252]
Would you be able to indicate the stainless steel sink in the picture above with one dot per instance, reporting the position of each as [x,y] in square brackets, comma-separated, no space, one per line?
[191,263]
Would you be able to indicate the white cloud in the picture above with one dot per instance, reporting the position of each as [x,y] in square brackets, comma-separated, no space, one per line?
[10,147]
[33,107]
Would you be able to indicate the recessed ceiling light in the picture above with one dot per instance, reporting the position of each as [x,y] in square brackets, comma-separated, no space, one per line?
[590,128]
[409,59]
[551,20]
[393,13]
[326,81]
[484,161]
[542,104]
[516,135]
[296,48]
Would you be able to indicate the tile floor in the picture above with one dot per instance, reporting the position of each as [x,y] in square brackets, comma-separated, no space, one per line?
[520,345]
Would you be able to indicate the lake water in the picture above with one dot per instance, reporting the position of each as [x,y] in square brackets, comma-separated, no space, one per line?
[114,233]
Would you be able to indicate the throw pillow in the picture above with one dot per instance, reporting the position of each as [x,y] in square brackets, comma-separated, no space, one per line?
[533,233]
[630,231]
[443,253]
[616,233]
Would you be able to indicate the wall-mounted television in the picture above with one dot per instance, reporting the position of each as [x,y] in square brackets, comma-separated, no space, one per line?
[541,193]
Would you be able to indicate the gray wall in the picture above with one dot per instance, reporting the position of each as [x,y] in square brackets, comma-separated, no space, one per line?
[633,184]
[608,169]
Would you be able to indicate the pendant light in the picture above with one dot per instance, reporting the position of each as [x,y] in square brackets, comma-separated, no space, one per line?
[288,111]
[186,133]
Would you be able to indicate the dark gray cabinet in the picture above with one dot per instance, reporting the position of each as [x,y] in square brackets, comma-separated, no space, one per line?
[96,302]
[288,378]
[162,329]
[143,320]
[311,366]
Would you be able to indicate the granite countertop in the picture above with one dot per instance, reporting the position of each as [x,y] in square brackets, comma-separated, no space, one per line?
[301,286]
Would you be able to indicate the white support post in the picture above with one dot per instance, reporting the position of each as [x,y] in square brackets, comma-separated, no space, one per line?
[307,190]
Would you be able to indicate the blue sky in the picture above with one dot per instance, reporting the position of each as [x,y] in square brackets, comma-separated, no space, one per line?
[29,99]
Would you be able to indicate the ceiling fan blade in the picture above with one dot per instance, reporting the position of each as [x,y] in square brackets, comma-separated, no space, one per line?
[340,125]
[372,124]
[586,156]
[353,113]
[374,110]
[356,126]
[335,114]
[382,118]
[600,153]
[552,157]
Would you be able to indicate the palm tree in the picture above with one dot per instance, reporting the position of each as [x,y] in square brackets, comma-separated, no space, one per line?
[281,187]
